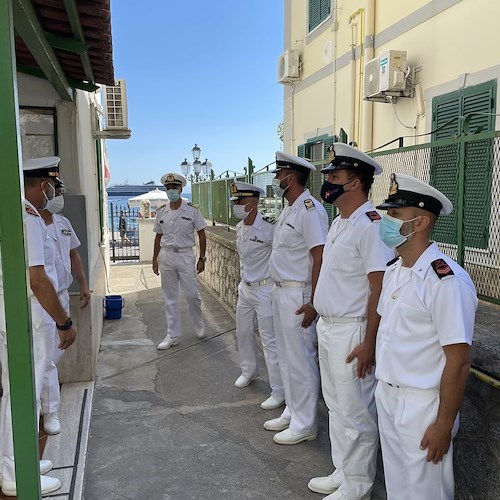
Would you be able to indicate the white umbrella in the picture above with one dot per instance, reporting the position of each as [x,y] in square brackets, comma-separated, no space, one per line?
[155,197]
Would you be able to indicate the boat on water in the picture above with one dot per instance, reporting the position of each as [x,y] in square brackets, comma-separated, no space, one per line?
[133,189]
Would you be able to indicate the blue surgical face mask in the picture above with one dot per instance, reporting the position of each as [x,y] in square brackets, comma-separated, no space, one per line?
[330,192]
[278,190]
[390,231]
[173,195]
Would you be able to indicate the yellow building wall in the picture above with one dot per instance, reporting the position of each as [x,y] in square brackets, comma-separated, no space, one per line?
[454,48]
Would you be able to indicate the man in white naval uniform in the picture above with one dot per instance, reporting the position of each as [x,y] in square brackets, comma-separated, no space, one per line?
[294,266]
[39,186]
[68,264]
[254,240]
[173,257]
[428,306]
[354,261]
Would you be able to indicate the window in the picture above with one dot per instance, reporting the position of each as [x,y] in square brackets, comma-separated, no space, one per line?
[319,10]
[38,132]
[445,161]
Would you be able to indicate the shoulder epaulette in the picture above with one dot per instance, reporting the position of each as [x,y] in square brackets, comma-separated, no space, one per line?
[309,204]
[193,205]
[271,220]
[441,268]
[161,206]
[392,261]
[373,215]
[31,211]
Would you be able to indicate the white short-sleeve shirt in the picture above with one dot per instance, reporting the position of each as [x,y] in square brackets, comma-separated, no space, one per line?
[299,228]
[353,249]
[177,227]
[423,308]
[41,249]
[65,238]
[254,243]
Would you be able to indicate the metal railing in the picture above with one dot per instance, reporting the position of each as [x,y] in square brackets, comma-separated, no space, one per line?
[465,168]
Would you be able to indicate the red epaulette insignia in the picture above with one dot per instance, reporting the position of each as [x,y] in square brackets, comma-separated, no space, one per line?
[31,211]
[373,215]
[441,268]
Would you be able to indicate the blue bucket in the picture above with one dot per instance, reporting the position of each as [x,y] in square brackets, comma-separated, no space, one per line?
[113,305]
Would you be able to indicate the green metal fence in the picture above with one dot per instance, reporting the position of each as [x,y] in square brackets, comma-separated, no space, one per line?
[465,168]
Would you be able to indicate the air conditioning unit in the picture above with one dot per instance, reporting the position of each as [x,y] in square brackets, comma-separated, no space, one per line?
[288,66]
[115,104]
[386,75]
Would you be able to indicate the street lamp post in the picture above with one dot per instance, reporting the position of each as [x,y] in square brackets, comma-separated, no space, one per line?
[201,171]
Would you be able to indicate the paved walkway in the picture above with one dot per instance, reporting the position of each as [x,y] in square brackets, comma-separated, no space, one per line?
[171,425]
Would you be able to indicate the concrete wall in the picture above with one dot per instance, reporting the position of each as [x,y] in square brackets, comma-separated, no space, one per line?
[80,172]
[222,267]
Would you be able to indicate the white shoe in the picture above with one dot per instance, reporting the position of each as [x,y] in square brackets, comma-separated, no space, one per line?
[48,485]
[45,466]
[51,423]
[200,333]
[289,436]
[167,342]
[276,424]
[271,403]
[326,484]
[243,381]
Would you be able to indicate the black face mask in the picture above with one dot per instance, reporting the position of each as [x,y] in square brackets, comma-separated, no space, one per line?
[330,192]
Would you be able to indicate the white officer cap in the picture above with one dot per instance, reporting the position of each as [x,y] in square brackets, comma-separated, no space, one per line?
[48,166]
[407,191]
[285,161]
[173,178]
[344,156]
[244,190]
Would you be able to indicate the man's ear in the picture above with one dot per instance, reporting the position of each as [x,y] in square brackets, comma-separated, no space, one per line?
[422,223]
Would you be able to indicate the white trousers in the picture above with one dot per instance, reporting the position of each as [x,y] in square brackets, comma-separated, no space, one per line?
[43,348]
[51,393]
[180,268]
[404,415]
[254,311]
[297,358]
[351,407]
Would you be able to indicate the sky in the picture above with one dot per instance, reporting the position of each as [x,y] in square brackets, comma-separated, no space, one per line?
[196,72]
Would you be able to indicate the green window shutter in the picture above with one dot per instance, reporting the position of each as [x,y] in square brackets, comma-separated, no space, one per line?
[303,150]
[314,14]
[319,10]
[479,164]
[445,161]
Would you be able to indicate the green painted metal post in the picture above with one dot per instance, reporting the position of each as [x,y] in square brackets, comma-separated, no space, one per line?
[250,171]
[461,200]
[14,272]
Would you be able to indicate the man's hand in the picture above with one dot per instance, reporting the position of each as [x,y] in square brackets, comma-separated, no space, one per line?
[366,358]
[84,297]
[436,440]
[67,337]
[310,314]
[155,267]
[200,266]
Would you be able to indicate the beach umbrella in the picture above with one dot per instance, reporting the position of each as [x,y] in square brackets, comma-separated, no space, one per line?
[155,197]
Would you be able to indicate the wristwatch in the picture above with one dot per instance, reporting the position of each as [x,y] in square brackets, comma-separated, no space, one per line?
[65,326]
[203,259]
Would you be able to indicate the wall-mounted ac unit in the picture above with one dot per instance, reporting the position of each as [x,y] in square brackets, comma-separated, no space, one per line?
[288,66]
[115,104]
[386,76]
